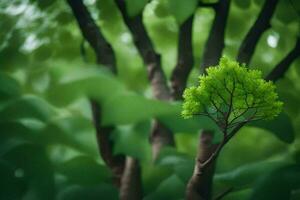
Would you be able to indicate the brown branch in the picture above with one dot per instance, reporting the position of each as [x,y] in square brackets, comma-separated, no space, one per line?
[105,145]
[185,59]
[160,135]
[131,184]
[144,45]
[105,56]
[281,68]
[261,24]
[200,184]
[215,42]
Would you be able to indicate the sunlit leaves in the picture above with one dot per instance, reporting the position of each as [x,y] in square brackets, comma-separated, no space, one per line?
[231,94]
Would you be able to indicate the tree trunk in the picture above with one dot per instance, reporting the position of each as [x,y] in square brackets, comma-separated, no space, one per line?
[200,184]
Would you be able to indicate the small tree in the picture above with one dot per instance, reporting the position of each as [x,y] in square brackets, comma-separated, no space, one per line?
[231,95]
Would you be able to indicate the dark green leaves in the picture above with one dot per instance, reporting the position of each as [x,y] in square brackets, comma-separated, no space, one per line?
[9,88]
[84,170]
[278,184]
[12,186]
[245,176]
[97,192]
[281,127]
[27,107]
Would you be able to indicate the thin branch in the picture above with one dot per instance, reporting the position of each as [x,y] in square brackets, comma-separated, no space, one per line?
[185,59]
[160,135]
[215,42]
[105,56]
[144,45]
[281,68]
[261,24]
[131,185]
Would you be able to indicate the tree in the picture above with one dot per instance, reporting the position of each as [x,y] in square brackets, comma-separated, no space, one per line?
[91,95]
[232,96]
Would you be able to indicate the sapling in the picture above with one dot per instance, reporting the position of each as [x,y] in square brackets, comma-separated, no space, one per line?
[231,95]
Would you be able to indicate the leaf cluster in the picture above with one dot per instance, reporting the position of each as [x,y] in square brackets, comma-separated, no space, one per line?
[231,94]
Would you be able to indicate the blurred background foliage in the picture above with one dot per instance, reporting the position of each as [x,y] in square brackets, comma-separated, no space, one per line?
[48,145]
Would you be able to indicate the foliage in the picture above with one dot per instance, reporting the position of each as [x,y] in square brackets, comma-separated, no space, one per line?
[231,94]
[48,147]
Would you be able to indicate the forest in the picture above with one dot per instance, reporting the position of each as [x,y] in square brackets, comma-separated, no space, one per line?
[149,99]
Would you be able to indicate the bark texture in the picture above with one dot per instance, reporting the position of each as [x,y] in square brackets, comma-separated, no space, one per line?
[200,184]
[185,60]
[215,42]
[160,135]
[261,24]
[131,184]
[281,68]
[105,145]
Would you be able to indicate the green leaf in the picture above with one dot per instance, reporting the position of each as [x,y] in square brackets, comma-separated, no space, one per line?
[12,185]
[245,176]
[176,123]
[281,127]
[180,163]
[27,106]
[32,163]
[73,131]
[243,4]
[133,140]
[134,7]
[76,192]
[182,9]
[278,184]
[170,188]
[132,108]
[9,88]
[67,131]
[153,175]
[90,82]
[94,173]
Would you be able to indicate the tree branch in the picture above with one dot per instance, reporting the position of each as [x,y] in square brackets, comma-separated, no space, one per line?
[281,68]
[185,59]
[200,184]
[151,59]
[215,42]
[160,135]
[261,24]
[105,56]
[131,184]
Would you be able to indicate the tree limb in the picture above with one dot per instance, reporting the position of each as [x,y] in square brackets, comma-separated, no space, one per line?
[160,135]
[131,184]
[281,68]
[144,45]
[105,56]
[200,184]
[215,42]
[185,59]
[261,24]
